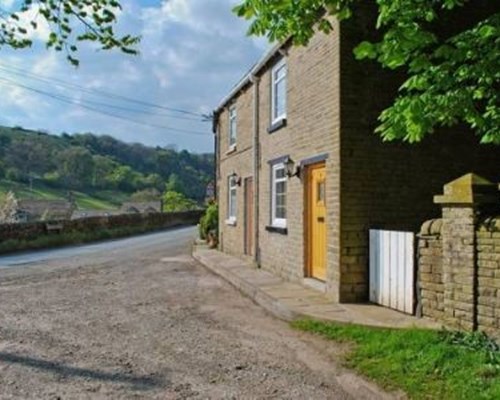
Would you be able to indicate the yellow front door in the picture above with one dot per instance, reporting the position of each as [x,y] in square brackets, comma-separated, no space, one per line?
[316,188]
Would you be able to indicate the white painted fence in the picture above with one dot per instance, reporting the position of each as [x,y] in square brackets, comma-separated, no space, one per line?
[392,256]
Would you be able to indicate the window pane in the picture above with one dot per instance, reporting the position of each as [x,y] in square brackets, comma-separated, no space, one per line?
[280,72]
[279,173]
[281,212]
[280,98]
[280,187]
[280,200]
[320,191]
[232,202]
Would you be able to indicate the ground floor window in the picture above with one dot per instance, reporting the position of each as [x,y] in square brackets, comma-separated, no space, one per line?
[231,204]
[278,195]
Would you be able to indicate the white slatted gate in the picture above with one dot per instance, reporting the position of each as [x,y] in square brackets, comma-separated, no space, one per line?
[392,269]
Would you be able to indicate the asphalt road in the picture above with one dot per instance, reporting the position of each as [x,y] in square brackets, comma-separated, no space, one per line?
[138,318]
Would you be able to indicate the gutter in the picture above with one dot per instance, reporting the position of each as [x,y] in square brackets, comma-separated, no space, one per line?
[248,78]
[255,80]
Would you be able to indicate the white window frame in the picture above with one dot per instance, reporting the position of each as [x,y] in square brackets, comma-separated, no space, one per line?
[232,187]
[233,128]
[277,222]
[274,82]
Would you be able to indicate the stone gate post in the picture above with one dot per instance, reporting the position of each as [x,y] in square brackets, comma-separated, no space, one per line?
[462,201]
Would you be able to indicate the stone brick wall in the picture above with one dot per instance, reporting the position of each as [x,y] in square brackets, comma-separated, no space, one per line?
[463,299]
[430,268]
[239,161]
[31,231]
[333,105]
[488,273]
[312,129]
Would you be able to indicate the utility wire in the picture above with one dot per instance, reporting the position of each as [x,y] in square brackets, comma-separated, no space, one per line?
[21,71]
[73,102]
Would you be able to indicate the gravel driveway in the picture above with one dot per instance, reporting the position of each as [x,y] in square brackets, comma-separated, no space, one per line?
[143,320]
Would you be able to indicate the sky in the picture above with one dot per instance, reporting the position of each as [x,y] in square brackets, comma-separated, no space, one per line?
[192,53]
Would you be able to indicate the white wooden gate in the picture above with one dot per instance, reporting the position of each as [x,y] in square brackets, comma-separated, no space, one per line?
[392,269]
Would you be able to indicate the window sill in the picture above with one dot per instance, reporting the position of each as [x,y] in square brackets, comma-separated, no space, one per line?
[231,149]
[277,229]
[230,222]
[277,125]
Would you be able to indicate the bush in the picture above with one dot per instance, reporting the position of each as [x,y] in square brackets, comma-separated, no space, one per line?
[210,221]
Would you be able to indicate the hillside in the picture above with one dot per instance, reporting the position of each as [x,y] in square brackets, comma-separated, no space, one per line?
[100,171]
[102,200]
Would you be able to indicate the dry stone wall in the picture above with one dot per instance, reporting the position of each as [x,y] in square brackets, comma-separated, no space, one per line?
[146,222]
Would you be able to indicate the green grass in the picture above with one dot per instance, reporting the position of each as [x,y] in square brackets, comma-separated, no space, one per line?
[425,364]
[101,200]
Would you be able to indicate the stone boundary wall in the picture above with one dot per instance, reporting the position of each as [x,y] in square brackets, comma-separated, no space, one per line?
[146,222]
[430,269]
[488,272]
[458,260]
[457,298]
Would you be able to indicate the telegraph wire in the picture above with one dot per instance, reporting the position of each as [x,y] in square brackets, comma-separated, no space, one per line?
[20,71]
[68,100]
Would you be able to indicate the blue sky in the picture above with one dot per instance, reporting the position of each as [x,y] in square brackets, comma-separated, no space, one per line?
[192,53]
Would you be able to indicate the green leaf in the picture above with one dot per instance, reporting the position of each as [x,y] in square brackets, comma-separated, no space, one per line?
[365,50]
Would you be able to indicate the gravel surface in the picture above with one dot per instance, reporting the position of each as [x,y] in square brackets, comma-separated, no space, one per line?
[148,322]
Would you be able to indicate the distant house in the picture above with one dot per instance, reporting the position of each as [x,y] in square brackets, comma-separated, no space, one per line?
[27,210]
[80,214]
[146,207]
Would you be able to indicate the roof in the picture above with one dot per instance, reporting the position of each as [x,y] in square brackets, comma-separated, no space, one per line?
[79,214]
[249,77]
[51,209]
[142,207]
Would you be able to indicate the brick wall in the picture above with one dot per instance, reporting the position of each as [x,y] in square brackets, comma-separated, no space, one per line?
[239,161]
[333,105]
[311,129]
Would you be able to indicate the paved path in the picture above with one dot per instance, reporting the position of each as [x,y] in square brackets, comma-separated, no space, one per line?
[290,301]
[140,319]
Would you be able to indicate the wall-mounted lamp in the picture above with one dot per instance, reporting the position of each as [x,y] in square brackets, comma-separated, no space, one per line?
[291,169]
[236,177]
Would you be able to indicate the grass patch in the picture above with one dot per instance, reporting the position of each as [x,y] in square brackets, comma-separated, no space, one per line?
[425,364]
[71,238]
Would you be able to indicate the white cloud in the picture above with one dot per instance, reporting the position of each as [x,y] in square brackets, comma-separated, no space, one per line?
[192,53]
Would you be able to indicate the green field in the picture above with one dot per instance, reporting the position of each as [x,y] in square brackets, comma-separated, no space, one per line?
[101,200]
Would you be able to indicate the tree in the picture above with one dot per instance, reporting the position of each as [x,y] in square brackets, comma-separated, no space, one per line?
[69,22]
[173,201]
[451,65]
[145,195]
[75,167]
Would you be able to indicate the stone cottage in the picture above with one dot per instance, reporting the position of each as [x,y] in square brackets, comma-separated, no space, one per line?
[301,177]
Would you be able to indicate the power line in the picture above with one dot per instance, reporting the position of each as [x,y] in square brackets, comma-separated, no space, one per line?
[73,102]
[21,71]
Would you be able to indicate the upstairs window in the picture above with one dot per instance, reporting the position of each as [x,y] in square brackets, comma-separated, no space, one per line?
[278,92]
[232,126]
[278,195]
